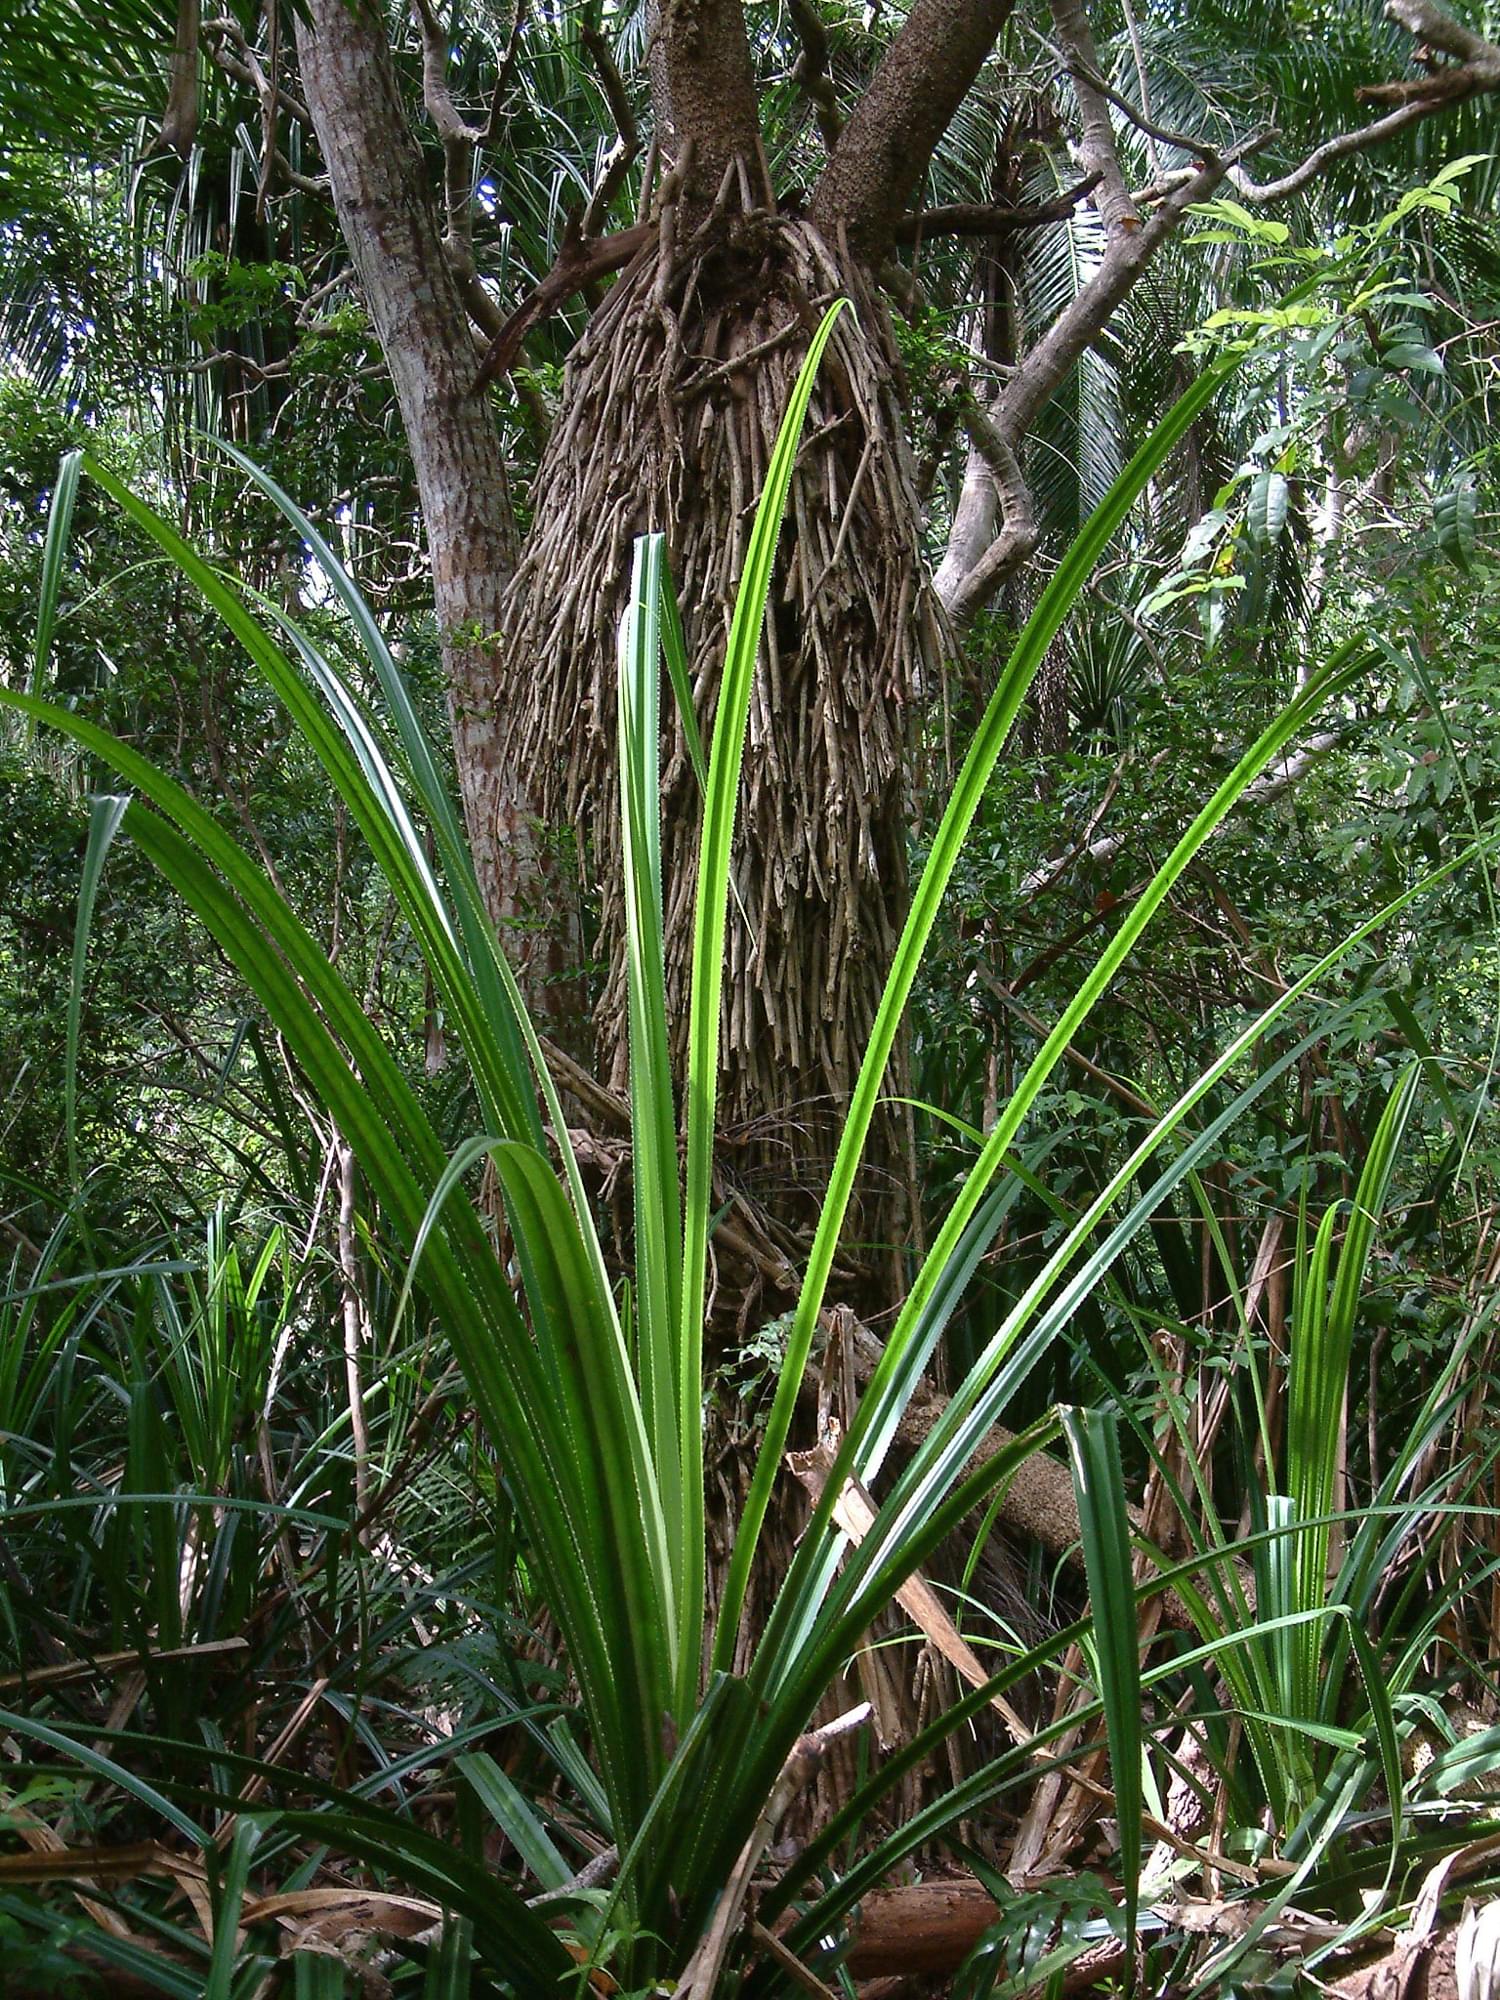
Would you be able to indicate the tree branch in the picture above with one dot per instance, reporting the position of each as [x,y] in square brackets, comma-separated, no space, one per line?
[247,68]
[1041,372]
[1358,141]
[436,96]
[917,87]
[460,139]
[627,145]
[962,593]
[968,585]
[1095,151]
[1133,30]
[579,262]
[968,218]
[1435,28]
[504,74]
[1184,142]
[1475,72]
[811,71]
[179,124]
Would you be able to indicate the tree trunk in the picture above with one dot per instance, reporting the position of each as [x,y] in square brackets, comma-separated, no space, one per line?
[380,190]
[670,408]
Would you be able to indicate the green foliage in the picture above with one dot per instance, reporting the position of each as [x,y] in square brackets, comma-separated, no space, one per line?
[177,1459]
[599,1426]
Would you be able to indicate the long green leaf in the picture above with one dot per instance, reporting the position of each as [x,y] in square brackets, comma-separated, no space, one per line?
[105,815]
[1322,1345]
[1030,649]
[891,1385]
[560,1478]
[227,1906]
[59,524]
[653,1106]
[915,1499]
[103,1767]
[508,1806]
[719,809]
[1103,1514]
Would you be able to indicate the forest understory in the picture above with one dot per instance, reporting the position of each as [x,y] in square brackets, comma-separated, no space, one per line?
[749,1000]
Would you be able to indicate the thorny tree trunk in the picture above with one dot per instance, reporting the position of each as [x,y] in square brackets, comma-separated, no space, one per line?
[671,406]
[384,205]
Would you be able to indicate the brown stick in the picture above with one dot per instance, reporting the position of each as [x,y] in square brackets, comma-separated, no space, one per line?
[579,263]
[926,1928]
[980,218]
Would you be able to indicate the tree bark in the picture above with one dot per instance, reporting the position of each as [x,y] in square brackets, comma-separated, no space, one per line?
[879,162]
[704,94]
[921,1929]
[381,192]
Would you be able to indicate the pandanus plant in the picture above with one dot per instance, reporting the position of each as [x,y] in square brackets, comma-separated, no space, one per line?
[590,1389]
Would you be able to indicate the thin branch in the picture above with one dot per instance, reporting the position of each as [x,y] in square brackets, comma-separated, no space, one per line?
[355,1330]
[1475,73]
[248,69]
[700,1977]
[628,144]
[595,1872]
[1074,64]
[968,585]
[579,262]
[790,1963]
[447,121]
[967,218]
[1288,771]
[504,74]
[460,141]
[269,106]
[1358,141]
[1138,54]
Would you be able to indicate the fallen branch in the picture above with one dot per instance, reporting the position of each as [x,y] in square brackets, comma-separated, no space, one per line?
[924,1928]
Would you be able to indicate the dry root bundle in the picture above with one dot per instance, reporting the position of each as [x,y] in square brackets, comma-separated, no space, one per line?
[670,411]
